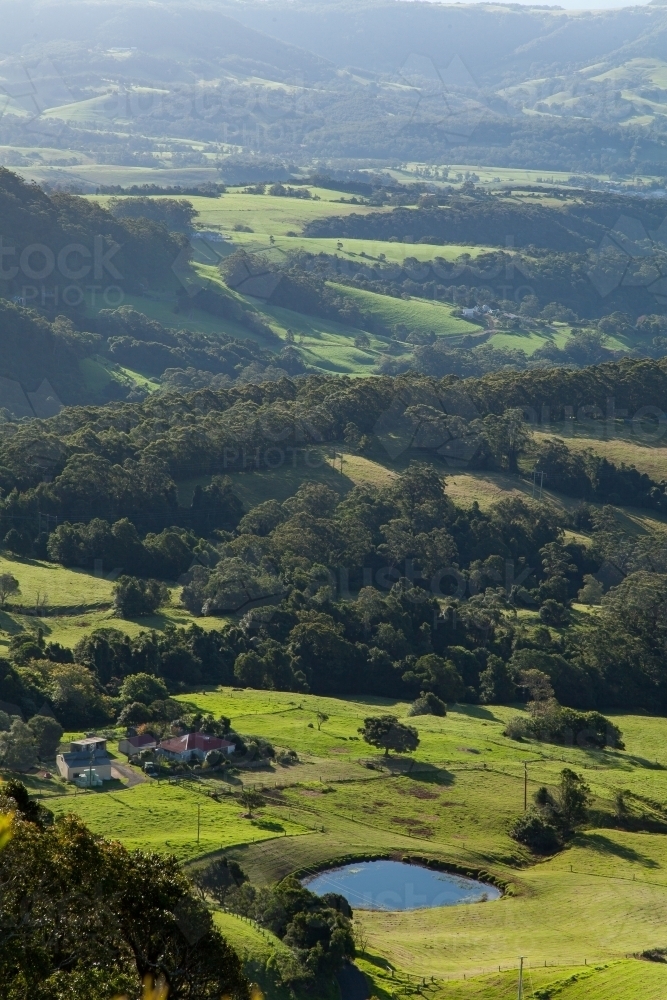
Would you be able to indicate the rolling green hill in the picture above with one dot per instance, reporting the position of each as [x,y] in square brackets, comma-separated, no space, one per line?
[455,803]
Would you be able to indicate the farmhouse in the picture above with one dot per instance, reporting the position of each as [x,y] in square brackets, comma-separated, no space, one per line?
[83,755]
[130,745]
[194,746]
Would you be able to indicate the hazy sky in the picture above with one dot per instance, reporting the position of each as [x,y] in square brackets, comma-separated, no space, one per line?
[571,4]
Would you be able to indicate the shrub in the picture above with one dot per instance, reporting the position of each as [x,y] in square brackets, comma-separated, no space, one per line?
[517,728]
[387,733]
[135,714]
[18,747]
[536,832]
[556,724]
[554,613]
[134,597]
[428,704]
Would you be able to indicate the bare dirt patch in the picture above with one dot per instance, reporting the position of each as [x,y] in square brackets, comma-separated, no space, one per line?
[422,793]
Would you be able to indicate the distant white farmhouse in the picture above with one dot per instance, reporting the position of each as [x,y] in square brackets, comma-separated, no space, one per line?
[83,755]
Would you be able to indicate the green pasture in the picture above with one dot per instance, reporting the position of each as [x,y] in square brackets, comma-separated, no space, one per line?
[323,343]
[158,816]
[74,602]
[266,214]
[124,176]
[488,175]
[43,581]
[583,912]
[648,454]
[615,980]
[67,629]
[603,898]
[527,340]
[418,315]
[368,251]
[253,943]
[164,311]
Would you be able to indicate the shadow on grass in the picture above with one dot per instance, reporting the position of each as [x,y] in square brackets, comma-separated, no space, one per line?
[601,844]
[7,623]
[266,824]
[418,771]
[376,960]
[474,712]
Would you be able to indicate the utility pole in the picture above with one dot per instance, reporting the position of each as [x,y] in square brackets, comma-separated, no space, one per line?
[520,993]
[198,819]
[525,786]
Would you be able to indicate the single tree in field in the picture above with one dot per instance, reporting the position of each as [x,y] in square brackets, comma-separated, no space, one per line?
[321,717]
[387,733]
[251,799]
[8,585]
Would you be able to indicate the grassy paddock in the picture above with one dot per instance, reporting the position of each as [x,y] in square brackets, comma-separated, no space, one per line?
[419,315]
[600,900]
[616,980]
[162,817]
[628,448]
[456,804]
[381,251]
[75,603]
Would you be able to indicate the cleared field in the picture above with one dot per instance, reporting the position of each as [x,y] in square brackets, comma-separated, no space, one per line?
[488,488]
[163,311]
[650,458]
[488,174]
[162,817]
[323,344]
[125,176]
[457,803]
[267,214]
[622,980]
[602,899]
[69,628]
[73,602]
[418,315]
[381,251]
[50,583]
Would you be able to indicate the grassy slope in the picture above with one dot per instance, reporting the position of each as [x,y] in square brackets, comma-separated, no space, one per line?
[649,457]
[325,345]
[620,980]
[419,315]
[161,817]
[601,899]
[76,602]
[266,214]
[457,804]
[381,251]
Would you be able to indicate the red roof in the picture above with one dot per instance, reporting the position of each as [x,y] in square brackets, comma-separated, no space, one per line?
[143,740]
[195,741]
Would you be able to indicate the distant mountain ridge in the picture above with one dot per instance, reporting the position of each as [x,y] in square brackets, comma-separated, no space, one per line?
[507,85]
